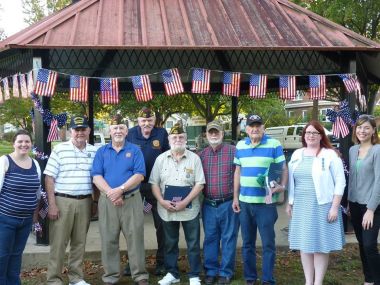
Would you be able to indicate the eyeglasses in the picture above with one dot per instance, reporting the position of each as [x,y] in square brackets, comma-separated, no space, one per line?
[312,133]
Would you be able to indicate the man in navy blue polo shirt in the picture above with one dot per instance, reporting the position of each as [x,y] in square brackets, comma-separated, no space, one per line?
[117,171]
[152,141]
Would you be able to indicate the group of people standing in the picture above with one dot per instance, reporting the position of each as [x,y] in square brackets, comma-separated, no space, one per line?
[146,163]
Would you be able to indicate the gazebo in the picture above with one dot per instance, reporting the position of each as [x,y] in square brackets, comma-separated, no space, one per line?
[120,38]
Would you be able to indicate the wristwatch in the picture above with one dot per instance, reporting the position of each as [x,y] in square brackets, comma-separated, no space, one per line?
[122,187]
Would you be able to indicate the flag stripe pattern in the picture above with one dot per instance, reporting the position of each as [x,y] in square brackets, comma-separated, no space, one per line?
[287,87]
[109,90]
[350,82]
[317,85]
[201,81]
[53,132]
[78,88]
[172,82]
[15,86]
[46,82]
[7,96]
[340,128]
[257,86]
[231,83]
[142,87]
[23,86]
[30,82]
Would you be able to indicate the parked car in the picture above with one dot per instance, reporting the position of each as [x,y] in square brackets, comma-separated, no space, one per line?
[99,139]
[290,136]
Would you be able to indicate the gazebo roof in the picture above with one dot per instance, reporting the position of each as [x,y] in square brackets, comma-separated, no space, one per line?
[188,24]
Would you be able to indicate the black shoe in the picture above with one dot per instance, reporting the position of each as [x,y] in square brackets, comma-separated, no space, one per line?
[160,270]
[209,280]
[127,270]
[224,280]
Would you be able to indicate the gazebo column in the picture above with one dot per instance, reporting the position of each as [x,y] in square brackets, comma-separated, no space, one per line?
[41,131]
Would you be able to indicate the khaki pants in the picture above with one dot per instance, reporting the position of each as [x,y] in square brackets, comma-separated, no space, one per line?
[129,219]
[72,226]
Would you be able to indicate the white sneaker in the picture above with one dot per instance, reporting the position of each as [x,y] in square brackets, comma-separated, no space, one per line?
[82,282]
[168,279]
[195,281]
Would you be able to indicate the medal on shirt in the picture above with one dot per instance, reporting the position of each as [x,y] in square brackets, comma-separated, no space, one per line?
[156,144]
[128,154]
[188,172]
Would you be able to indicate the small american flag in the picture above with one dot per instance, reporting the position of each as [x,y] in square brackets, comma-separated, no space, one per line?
[350,82]
[30,82]
[1,96]
[340,128]
[15,86]
[147,207]
[78,88]
[201,81]
[231,84]
[109,90]
[7,96]
[287,87]
[45,205]
[317,85]
[257,86]
[53,132]
[143,90]
[23,86]
[46,81]
[172,82]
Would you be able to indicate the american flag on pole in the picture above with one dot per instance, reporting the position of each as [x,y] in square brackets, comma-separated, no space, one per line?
[30,82]
[317,85]
[172,82]
[231,83]
[23,86]
[109,90]
[143,90]
[15,86]
[257,86]
[53,132]
[46,81]
[201,81]
[78,88]
[340,128]
[7,96]
[350,82]
[147,207]
[287,87]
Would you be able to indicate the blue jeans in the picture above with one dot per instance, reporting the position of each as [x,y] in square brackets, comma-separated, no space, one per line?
[262,217]
[221,227]
[192,236]
[14,233]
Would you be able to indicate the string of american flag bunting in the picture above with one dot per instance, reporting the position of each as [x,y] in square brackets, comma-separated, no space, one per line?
[23,86]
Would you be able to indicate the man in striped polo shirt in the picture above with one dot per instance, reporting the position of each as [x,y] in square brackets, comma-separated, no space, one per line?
[69,188]
[253,157]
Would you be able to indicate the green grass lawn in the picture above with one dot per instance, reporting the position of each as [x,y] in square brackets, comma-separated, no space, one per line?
[344,269]
[5,147]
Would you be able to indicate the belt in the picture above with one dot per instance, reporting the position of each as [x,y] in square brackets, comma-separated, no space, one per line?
[78,197]
[217,202]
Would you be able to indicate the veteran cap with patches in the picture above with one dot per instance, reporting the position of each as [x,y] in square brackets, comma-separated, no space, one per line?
[145,112]
[117,120]
[78,122]
[176,129]
[252,118]
[214,125]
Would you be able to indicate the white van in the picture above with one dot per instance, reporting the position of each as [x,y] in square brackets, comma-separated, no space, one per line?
[290,136]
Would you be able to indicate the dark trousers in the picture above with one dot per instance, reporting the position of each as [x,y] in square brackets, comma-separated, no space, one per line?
[367,240]
[146,192]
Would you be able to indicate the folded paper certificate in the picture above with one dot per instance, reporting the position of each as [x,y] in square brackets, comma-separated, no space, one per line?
[177,193]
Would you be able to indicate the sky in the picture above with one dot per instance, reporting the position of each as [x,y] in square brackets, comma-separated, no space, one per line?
[11,16]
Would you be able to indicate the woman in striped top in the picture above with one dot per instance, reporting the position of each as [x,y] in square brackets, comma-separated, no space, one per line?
[19,195]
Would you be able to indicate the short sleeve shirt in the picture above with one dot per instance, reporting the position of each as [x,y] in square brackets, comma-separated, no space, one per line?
[118,167]
[187,172]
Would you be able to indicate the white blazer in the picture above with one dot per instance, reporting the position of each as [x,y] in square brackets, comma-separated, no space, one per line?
[327,173]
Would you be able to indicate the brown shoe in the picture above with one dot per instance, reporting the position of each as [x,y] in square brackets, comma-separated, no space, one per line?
[142,282]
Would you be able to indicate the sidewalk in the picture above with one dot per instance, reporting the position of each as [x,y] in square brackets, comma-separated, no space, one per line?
[37,256]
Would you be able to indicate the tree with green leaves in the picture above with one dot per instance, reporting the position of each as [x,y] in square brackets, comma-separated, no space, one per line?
[35,10]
